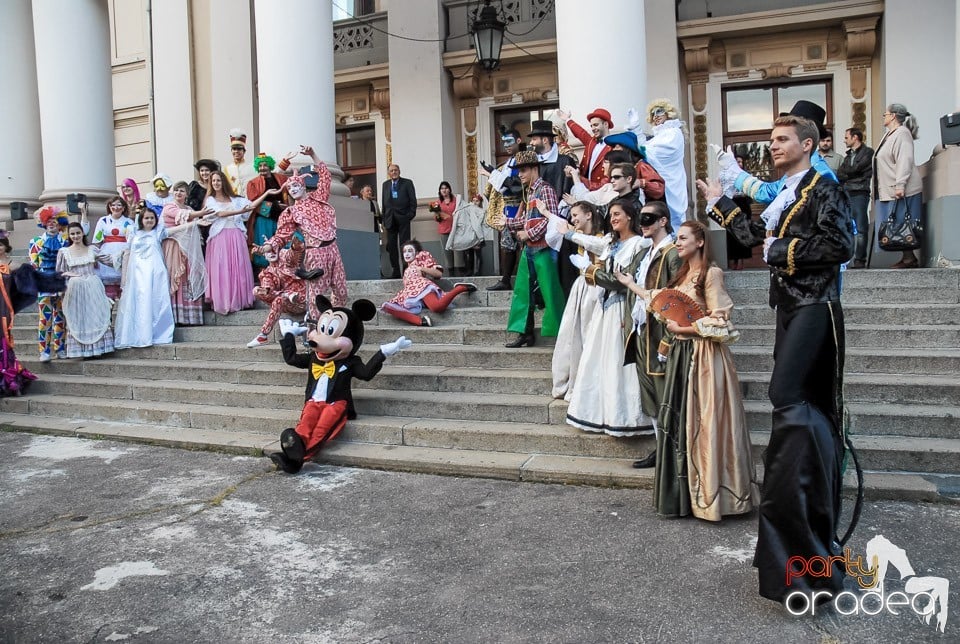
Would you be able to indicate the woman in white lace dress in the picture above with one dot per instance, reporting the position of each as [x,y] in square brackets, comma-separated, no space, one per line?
[86,306]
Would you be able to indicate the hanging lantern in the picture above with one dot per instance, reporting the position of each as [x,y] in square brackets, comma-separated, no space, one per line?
[487,33]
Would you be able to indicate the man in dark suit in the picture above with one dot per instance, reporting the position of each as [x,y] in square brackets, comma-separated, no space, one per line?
[399,204]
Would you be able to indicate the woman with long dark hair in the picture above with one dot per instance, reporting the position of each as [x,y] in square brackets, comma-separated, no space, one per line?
[229,272]
[606,396]
[86,306]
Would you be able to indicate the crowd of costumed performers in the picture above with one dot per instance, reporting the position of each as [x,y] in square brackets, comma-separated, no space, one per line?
[601,245]
[643,333]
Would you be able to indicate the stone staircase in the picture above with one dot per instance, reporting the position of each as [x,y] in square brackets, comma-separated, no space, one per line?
[459,403]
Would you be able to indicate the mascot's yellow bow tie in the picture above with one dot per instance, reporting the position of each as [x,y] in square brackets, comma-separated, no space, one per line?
[327,369]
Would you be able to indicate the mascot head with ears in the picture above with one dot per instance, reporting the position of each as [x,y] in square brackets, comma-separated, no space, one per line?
[339,331]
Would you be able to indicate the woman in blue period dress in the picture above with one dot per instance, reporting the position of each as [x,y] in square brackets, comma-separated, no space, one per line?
[86,306]
[606,397]
[145,316]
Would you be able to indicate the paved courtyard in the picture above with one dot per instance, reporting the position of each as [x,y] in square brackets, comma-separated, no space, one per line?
[104,542]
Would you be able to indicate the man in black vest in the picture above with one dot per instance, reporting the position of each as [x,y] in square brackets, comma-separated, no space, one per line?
[399,204]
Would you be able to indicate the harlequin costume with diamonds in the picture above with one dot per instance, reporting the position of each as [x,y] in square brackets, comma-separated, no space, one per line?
[51,328]
[281,288]
[316,219]
[331,365]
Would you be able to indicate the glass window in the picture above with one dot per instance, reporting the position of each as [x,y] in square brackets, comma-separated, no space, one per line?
[749,112]
[749,109]
[357,155]
[519,119]
[346,9]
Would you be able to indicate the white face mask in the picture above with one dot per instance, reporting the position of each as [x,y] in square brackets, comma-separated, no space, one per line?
[409,254]
[296,190]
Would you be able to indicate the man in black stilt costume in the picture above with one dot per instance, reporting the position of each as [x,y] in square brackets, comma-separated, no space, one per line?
[807,233]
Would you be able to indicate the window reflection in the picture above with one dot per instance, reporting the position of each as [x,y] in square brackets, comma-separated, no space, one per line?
[749,109]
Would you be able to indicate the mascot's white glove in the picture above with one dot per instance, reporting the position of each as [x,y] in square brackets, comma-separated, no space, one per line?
[395,347]
[580,261]
[633,119]
[729,168]
[289,326]
[767,243]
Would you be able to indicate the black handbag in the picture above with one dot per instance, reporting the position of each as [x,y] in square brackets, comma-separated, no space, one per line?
[906,236]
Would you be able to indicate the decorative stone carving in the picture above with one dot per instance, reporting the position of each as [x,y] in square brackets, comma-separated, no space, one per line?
[469,119]
[776,71]
[471,147]
[540,9]
[861,41]
[858,83]
[700,158]
[510,11]
[859,115]
[466,82]
[351,37]
[696,55]
[380,99]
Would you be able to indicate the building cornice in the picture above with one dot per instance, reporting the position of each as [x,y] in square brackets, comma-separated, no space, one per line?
[510,52]
[790,19]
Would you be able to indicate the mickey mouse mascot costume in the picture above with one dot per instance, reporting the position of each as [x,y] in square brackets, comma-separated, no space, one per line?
[333,363]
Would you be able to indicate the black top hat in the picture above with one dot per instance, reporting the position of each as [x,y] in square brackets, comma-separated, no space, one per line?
[811,111]
[207,163]
[541,128]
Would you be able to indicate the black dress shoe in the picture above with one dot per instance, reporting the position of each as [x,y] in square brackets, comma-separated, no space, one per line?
[292,445]
[306,275]
[649,461]
[524,339]
[285,463]
[500,286]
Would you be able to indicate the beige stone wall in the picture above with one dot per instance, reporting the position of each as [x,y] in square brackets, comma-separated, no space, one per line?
[133,140]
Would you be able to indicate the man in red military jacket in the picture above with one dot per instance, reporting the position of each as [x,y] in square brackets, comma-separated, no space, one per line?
[591,163]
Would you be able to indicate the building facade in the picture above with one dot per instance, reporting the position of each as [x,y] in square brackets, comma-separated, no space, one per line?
[158,84]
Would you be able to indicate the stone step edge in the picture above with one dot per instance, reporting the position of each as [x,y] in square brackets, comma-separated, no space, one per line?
[534,468]
[538,400]
[762,377]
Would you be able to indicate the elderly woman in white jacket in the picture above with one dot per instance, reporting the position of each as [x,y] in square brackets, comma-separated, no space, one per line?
[896,181]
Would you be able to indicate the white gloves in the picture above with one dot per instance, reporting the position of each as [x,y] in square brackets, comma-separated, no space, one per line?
[395,347]
[729,169]
[289,326]
[633,119]
[580,261]
[767,243]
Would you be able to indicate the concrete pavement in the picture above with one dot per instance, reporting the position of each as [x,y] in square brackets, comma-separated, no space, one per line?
[104,541]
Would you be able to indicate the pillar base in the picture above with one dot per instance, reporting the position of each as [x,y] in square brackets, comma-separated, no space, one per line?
[96,197]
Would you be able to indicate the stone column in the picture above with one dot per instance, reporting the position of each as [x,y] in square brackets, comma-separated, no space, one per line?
[21,167]
[424,128]
[172,64]
[74,85]
[599,66]
[295,81]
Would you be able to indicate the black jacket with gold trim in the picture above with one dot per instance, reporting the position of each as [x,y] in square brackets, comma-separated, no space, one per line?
[814,237]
